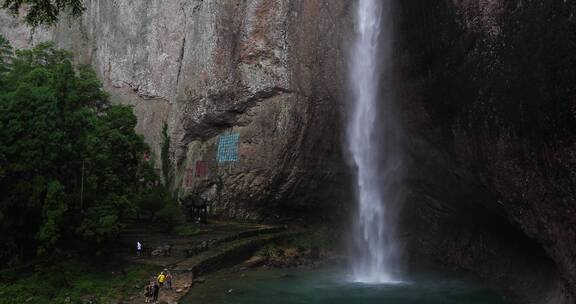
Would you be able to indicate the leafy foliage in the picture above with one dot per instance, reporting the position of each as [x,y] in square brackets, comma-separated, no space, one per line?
[44,12]
[82,281]
[152,201]
[71,164]
[5,56]
[167,168]
[188,229]
[171,216]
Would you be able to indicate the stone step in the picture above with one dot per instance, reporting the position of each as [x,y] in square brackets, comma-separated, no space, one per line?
[232,252]
[206,245]
[229,254]
[185,247]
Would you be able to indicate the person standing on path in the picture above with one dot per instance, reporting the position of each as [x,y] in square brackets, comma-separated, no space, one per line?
[161,279]
[138,248]
[168,280]
[148,291]
[155,292]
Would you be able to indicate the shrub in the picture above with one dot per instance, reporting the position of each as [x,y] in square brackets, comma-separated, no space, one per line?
[171,216]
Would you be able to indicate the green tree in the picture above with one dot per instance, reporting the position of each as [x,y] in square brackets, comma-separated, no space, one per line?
[167,168]
[53,211]
[44,12]
[71,164]
[6,55]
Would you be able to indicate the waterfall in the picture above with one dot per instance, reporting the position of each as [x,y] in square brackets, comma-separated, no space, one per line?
[372,139]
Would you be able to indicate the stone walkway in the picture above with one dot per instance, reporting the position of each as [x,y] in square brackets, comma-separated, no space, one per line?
[220,245]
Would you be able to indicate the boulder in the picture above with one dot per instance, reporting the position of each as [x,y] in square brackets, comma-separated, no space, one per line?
[200,280]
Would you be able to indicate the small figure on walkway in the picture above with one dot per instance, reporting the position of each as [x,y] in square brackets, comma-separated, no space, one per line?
[167,249]
[138,248]
[155,292]
[168,280]
[161,279]
[149,292]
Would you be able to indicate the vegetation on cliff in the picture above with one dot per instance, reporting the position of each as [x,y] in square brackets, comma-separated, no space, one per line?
[74,281]
[44,12]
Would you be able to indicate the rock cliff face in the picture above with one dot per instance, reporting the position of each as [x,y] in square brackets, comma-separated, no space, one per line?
[486,90]
[269,70]
[491,84]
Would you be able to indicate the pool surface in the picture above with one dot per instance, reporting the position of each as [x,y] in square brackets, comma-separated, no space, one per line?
[332,287]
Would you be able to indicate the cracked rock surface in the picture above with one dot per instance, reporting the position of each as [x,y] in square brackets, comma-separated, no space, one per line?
[270,70]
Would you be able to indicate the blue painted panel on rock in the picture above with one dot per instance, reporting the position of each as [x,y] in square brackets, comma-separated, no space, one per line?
[228,148]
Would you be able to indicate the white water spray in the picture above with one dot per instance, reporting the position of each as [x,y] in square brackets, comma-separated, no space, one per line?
[373,145]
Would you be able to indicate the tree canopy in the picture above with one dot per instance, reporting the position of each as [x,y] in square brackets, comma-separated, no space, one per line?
[71,165]
[44,12]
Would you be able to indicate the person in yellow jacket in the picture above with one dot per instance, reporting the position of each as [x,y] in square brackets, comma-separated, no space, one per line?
[161,279]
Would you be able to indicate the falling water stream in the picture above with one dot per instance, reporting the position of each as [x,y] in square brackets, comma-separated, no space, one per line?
[372,142]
